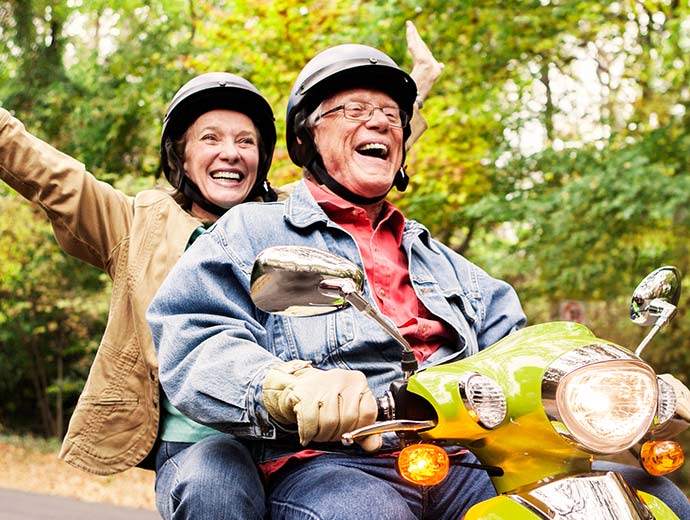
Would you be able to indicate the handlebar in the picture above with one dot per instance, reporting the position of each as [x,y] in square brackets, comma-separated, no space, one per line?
[399,411]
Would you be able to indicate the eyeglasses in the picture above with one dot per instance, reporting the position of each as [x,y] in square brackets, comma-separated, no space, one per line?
[362,111]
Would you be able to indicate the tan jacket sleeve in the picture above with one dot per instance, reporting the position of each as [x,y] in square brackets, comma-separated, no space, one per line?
[89,217]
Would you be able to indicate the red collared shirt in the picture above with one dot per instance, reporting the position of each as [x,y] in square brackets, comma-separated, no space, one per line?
[387,269]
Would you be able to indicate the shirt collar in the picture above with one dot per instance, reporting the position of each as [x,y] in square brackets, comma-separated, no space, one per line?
[338,209]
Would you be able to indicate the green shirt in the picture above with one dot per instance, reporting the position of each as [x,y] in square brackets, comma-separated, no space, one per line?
[176,427]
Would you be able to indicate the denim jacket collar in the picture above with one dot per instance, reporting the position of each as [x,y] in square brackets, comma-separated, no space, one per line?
[301,210]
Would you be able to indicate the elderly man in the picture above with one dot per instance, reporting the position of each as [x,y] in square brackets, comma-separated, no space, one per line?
[228,365]
[294,385]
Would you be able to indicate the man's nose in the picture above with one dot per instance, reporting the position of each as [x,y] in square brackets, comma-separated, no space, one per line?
[378,119]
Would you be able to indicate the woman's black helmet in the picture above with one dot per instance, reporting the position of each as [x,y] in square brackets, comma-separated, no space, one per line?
[334,70]
[210,91]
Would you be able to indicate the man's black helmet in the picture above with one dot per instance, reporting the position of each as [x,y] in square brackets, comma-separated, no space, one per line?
[218,90]
[334,70]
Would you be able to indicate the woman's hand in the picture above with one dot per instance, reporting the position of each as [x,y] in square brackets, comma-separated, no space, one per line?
[425,68]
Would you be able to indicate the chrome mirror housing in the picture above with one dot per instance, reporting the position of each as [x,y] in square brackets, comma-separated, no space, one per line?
[304,281]
[661,286]
[292,280]
[654,301]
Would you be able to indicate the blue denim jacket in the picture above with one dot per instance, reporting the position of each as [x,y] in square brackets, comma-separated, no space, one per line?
[214,345]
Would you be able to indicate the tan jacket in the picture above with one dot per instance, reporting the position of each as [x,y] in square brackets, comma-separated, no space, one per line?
[136,240]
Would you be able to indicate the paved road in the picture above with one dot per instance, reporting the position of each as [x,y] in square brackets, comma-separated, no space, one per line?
[20,505]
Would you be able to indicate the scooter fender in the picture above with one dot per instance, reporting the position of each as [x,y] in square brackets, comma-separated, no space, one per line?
[503,508]
[658,508]
[500,508]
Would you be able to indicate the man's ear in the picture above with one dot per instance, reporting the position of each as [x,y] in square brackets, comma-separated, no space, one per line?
[301,141]
[306,150]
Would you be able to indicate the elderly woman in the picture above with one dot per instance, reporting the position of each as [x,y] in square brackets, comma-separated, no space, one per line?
[216,149]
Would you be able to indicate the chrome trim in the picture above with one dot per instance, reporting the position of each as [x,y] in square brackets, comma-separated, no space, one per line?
[575,359]
[386,406]
[596,495]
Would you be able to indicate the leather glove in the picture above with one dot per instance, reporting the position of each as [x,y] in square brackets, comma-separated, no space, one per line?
[324,403]
[682,395]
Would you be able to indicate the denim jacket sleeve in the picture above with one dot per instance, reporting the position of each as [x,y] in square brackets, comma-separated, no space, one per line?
[209,341]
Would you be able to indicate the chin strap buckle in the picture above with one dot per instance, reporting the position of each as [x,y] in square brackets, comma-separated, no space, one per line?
[401,179]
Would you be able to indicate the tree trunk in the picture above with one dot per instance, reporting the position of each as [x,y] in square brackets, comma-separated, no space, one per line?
[59,429]
[39,380]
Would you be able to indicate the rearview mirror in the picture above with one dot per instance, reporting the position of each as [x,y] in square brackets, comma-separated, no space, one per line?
[654,301]
[291,280]
[661,286]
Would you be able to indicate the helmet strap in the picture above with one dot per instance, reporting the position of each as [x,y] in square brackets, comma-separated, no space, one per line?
[191,190]
[401,179]
[263,190]
[317,169]
[193,193]
[319,172]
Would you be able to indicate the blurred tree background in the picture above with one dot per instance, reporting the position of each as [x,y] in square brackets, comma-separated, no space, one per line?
[557,155]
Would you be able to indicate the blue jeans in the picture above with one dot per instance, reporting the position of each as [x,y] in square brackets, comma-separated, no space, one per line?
[660,487]
[212,478]
[345,487]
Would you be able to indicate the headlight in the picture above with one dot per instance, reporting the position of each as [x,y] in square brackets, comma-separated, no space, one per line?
[608,407]
[606,401]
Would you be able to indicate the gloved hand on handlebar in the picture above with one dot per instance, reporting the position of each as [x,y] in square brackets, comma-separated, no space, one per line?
[682,395]
[324,403]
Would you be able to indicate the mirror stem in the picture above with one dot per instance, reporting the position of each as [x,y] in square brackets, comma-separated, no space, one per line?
[665,311]
[347,290]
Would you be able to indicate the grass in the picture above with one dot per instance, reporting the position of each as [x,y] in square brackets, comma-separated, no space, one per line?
[31,464]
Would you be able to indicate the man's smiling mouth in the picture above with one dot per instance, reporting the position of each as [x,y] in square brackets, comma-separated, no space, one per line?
[377,150]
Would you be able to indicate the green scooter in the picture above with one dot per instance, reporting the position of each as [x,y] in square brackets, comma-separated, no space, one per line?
[536,408]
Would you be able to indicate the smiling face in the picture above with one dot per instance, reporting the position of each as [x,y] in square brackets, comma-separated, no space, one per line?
[221,156]
[363,156]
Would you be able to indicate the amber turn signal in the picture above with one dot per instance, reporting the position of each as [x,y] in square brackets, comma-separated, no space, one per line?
[423,464]
[661,457]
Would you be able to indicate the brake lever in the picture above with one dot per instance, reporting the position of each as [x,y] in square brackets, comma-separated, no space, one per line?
[401,425]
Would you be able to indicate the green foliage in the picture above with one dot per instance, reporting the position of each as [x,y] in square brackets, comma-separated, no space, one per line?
[591,221]
[39,444]
[51,308]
